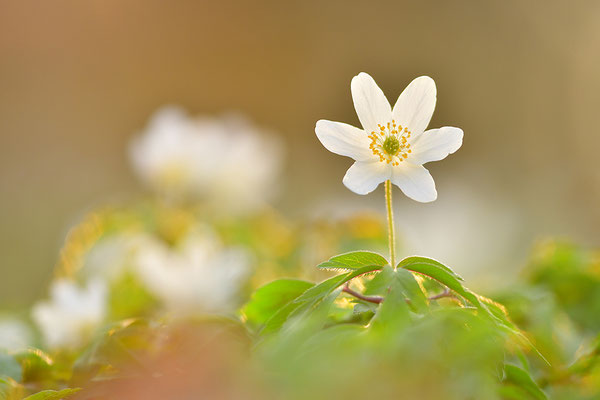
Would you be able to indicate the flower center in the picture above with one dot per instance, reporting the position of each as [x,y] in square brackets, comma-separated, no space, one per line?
[390,144]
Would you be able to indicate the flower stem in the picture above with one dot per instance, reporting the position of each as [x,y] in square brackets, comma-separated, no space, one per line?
[390,218]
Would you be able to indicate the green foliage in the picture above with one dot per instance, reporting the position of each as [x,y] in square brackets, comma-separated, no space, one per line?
[128,298]
[444,275]
[353,260]
[268,299]
[119,344]
[311,298]
[572,275]
[426,261]
[53,394]
[370,331]
[400,281]
[10,389]
[435,270]
[28,371]
[441,273]
[519,385]
[36,365]
[393,314]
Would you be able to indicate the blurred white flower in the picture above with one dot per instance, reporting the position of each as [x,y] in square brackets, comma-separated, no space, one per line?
[15,335]
[393,144]
[72,313]
[200,274]
[113,255]
[225,161]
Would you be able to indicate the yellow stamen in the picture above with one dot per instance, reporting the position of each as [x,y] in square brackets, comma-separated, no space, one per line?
[391,144]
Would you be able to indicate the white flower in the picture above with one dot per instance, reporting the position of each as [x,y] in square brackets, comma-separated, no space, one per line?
[224,161]
[199,275]
[15,335]
[393,143]
[72,313]
[112,256]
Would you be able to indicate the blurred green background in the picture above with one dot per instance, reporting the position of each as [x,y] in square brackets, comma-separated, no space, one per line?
[79,79]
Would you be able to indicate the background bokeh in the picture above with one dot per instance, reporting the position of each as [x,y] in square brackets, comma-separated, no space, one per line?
[79,79]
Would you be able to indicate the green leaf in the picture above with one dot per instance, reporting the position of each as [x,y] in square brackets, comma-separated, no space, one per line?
[310,299]
[129,298]
[404,280]
[278,319]
[444,275]
[10,367]
[314,294]
[10,389]
[36,365]
[379,284]
[121,342]
[412,290]
[53,394]
[307,321]
[324,288]
[512,392]
[393,313]
[353,261]
[270,298]
[364,307]
[336,335]
[521,378]
[426,260]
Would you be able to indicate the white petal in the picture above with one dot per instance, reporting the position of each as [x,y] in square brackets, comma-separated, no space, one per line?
[364,177]
[415,105]
[344,139]
[415,182]
[435,144]
[370,103]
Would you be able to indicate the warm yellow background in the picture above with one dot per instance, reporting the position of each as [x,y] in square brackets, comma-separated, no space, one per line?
[79,78]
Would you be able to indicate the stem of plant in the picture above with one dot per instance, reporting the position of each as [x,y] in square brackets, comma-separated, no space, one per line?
[370,299]
[378,299]
[390,218]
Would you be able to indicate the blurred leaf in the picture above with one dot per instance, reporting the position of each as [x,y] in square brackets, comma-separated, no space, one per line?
[311,298]
[336,336]
[353,260]
[521,378]
[439,272]
[10,389]
[587,360]
[570,273]
[129,298]
[10,367]
[337,332]
[342,311]
[278,319]
[268,299]
[53,394]
[36,365]
[365,307]
[307,321]
[304,301]
[512,392]
[121,343]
